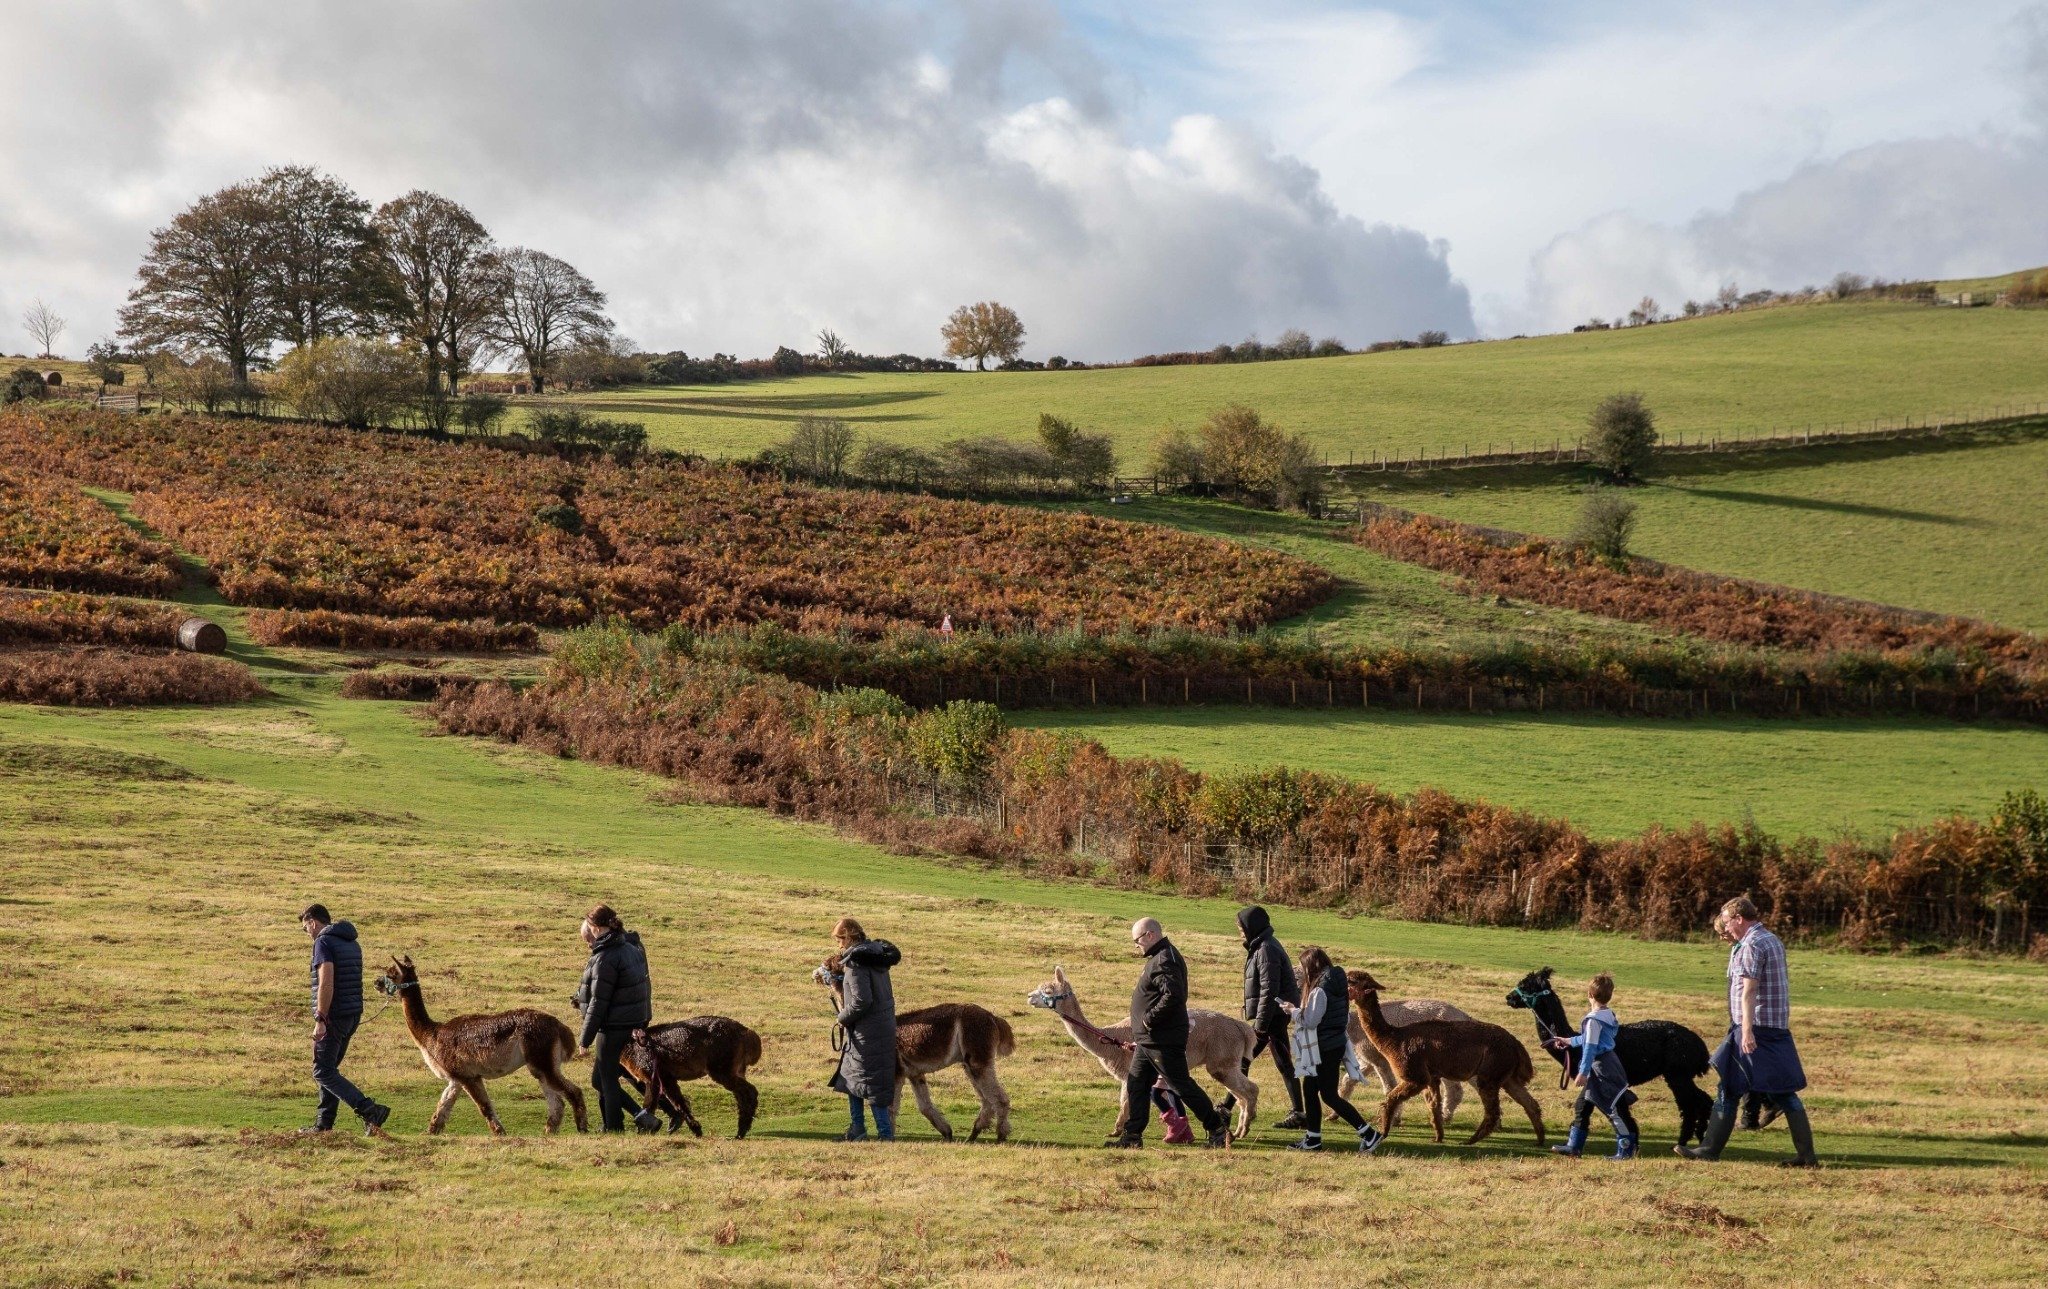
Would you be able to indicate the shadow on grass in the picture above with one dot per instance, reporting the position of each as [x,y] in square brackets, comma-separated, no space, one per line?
[1835,507]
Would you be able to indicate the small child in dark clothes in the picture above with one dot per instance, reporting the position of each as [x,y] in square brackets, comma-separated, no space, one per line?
[1602,1082]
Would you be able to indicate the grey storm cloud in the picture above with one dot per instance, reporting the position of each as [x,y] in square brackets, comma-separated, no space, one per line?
[737,175]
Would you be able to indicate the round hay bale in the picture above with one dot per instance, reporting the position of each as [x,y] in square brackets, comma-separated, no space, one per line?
[197,635]
[53,378]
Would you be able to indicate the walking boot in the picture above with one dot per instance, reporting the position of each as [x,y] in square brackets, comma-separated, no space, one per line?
[1802,1137]
[1295,1121]
[1309,1141]
[1219,1138]
[374,1116]
[646,1122]
[1574,1143]
[1369,1139]
[1714,1139]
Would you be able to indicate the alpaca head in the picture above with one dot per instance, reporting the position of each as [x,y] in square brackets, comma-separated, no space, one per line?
[1360,984]
[1536,994]
[400,975]
[1053,993]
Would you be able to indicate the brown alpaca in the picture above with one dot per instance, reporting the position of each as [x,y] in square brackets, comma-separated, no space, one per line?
[469,1049]
[1217,1043]
[1406,1011]
[1427,1054]
[932,1038]
[663,1057]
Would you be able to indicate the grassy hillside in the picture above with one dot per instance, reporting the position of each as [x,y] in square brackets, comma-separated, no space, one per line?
[1957,531]
[167,902]
[1789,365]
[1612,776]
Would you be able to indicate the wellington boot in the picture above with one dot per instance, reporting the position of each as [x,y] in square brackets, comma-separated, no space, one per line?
[1802,1137]
[1714,1139]
[1574,1143]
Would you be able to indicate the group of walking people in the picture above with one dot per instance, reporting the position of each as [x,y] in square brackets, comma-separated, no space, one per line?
[1298,1010]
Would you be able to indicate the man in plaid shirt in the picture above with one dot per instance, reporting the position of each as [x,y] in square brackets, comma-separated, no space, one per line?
[1758,1055]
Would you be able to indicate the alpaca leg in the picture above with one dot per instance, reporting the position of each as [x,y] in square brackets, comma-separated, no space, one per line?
[995,1103]
[1397,1096]
[1386,1077]
[1453,1093]
[1530,1106]
[479,1094]
[1436,1109]
[745,1097]
[923,1092]
[682,1104]
[444,1107]
[1489,1096]
[1123,1111]
[555,1106]
[1694,1106]
[1246,1092]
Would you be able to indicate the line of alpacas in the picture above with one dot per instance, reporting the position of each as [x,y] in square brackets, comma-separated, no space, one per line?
[1416,1047]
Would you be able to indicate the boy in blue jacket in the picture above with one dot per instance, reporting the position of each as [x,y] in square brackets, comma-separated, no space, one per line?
[1602,1082]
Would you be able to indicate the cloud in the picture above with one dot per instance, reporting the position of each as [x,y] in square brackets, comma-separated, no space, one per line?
[737,175]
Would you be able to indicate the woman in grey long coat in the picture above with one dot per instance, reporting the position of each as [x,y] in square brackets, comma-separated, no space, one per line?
[867,1014]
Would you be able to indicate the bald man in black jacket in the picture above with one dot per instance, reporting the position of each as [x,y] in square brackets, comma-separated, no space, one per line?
[1159,1033]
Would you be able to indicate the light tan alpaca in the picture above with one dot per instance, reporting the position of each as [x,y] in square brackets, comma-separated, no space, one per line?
[1405,1011]
[1217,1043]
[469,1049]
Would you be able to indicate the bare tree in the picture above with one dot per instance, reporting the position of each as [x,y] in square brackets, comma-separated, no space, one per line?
[443,279]
[318,264]
[832,349]
[42,322]
[202,282]
[1644,313]
[546,305]
[983,331]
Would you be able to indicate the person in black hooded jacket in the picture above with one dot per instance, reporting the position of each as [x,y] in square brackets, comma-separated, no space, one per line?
[1268,982]
[616,998]
[867,1016]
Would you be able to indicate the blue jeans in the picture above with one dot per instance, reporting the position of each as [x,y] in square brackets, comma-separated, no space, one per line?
[1728,1103]
[335,1090]
[885,1127]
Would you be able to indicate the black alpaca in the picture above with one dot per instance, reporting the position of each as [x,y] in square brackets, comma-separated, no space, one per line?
[1649,1049]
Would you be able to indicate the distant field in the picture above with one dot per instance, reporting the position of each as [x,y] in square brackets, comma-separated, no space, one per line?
[1780,366]
[1611,775]
[1959,531]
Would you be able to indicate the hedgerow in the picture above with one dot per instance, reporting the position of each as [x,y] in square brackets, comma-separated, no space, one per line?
[62,617]
[103,677]
[1062,805]
[325,627]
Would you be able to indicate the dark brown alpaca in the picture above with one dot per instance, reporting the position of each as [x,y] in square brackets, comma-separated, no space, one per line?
[663,1057]
[932,1038]
[470,1049]
[1427,1054]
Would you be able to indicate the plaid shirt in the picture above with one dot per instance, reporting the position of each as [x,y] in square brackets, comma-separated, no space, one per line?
[1760,956]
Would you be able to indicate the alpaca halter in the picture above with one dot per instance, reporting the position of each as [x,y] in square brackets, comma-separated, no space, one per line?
[1543,1029]
[1040,998]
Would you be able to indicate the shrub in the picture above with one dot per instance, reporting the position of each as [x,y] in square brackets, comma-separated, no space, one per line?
[1606,523]
[818,447]
[956,742]
[481,413]
[897,464]
[1293,343]
[324,627]
[100,677]
[1432,339]
[354,381]
[1177,459]
[1620,435]
[1253,807]
[23,385]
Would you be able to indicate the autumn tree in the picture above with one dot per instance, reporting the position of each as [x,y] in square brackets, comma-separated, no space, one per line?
[545,306]
[203,283]
[443,278]
[42,322]
[832,351]
[983,331]
[318,262]
[1621,434]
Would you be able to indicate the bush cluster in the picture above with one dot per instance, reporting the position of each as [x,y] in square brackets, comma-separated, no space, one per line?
[93,676]
[329,629]
[954,780]
[32,617]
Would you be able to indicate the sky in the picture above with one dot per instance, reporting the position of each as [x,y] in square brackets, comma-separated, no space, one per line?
[1130,176]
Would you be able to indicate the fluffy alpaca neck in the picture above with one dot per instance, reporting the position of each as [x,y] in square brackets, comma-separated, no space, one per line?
[417,1023]
[1075,1023]
[1376,1026]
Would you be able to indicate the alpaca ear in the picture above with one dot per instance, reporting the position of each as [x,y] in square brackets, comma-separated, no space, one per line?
[1545,974]
[1059,973]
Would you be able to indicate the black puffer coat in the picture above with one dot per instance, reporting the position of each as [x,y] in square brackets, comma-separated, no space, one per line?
[1268,979]
[867,1012]
[1159,1005]
[617,992]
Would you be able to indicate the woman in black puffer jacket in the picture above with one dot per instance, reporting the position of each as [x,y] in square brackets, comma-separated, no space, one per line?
[867,1015]
[616,998]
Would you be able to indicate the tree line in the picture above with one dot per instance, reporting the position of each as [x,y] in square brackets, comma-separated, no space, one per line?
[296,257]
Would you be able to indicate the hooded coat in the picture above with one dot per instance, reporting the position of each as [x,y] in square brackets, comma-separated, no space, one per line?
[1268,977]
[336,943]
[867,1012]
[617,991]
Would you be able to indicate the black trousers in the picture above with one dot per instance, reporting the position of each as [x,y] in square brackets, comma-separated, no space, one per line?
[1147,1064]
[605,1074]
[335,1089]
[1322,1091]
[1582,1115]
[1278,1047]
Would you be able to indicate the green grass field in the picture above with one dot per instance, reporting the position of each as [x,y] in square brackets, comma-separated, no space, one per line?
[147,924]
[1612,775]
[1960,530]
[1740,372]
